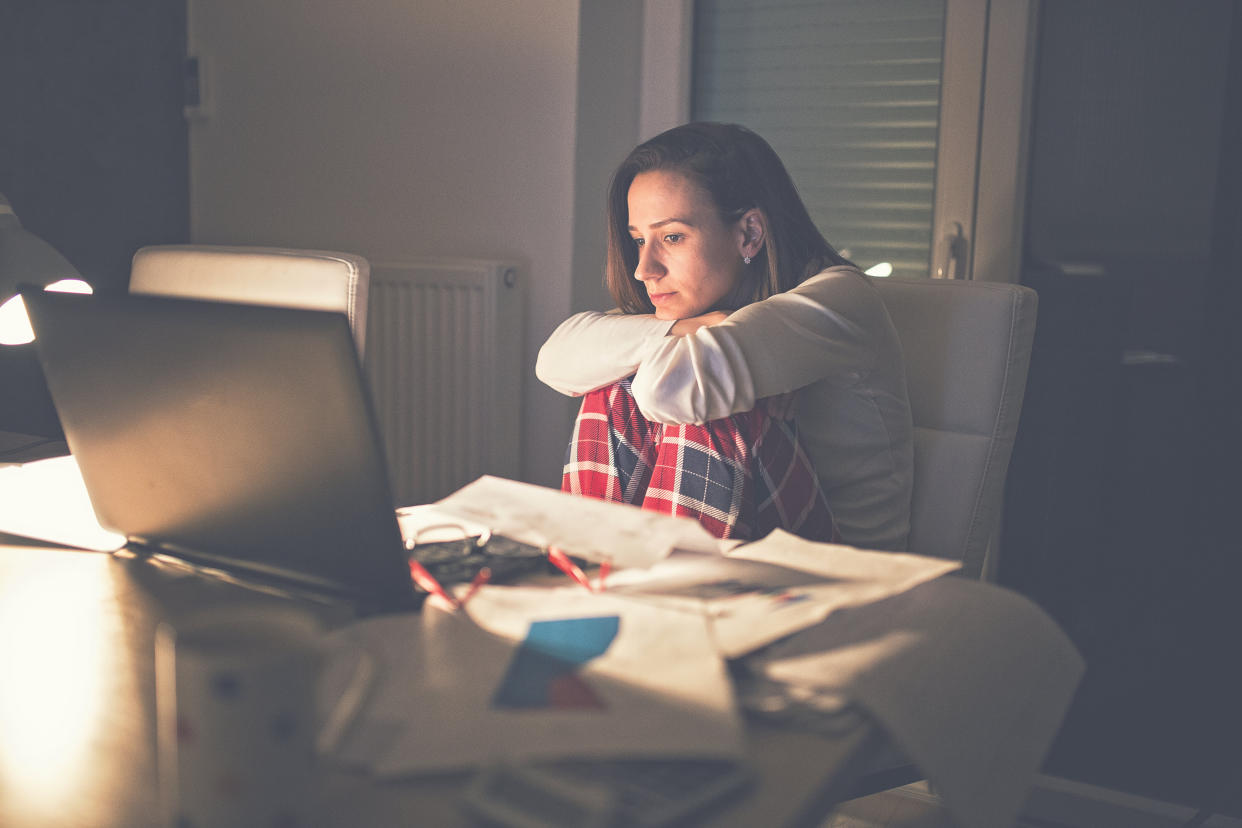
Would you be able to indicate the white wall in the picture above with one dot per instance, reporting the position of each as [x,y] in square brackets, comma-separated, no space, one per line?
[606,130]
[394,128]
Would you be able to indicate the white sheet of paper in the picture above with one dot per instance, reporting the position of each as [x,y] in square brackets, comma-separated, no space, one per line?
[763,591]
[970,680]
[596,530]
[47,500]
[426,523]
[459,690]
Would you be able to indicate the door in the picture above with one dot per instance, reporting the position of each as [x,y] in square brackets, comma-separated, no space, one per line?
[901,121]
[1123,487]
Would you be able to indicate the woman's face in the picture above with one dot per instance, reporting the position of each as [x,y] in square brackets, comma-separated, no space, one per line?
[689,259]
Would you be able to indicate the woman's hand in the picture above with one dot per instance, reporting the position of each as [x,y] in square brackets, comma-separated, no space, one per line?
[685,327]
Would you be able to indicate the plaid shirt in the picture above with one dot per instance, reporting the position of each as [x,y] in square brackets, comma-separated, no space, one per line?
[740,476]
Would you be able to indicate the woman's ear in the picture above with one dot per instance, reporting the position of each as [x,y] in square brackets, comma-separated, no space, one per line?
[753,227]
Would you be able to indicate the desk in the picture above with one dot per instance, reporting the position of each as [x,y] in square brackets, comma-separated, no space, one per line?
[77,709]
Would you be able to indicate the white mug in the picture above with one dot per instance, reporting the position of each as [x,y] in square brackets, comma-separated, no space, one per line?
[236,717]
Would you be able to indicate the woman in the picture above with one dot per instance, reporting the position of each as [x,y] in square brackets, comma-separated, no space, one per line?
[745,350]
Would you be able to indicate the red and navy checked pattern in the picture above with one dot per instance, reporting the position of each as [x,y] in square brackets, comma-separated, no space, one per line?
[740,476]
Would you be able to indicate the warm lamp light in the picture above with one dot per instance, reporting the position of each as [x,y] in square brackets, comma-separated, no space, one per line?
[26,259]
[15,324]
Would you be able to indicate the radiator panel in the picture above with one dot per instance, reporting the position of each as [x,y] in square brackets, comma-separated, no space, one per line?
[444,362]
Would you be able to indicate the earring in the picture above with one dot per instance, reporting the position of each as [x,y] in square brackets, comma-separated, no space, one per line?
[746,260]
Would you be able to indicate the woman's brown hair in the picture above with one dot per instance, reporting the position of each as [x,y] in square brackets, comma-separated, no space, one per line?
[739,171]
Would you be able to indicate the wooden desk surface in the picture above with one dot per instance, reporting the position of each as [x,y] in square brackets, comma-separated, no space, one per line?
[77,709]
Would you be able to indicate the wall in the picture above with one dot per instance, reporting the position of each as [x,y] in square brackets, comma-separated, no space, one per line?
[397,129]
[608,83]
[92,142]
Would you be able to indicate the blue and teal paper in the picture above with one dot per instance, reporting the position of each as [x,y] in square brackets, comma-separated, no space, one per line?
[545,672]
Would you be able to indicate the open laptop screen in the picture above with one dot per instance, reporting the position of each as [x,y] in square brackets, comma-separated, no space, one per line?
[231,434]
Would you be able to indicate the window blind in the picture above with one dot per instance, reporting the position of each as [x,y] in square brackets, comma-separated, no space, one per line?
[848,94]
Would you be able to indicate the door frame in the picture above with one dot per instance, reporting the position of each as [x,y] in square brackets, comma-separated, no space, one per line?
[1004,136]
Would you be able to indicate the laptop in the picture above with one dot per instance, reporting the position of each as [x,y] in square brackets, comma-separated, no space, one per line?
[237,437]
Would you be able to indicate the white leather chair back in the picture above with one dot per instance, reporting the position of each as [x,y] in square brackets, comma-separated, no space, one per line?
[967,347]
[314,279]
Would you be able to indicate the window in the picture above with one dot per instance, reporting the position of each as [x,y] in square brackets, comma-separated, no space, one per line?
[848,94]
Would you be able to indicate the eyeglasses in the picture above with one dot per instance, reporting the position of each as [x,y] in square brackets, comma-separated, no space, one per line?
[477,560]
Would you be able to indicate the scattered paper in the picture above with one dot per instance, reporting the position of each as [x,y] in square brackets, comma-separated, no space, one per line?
[842,563]
[595,530]
[427,523]
[971,681]
[527,673]
[760,592]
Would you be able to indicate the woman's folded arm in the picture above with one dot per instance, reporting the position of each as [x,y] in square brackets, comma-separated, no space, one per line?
[821,329]
[590,350]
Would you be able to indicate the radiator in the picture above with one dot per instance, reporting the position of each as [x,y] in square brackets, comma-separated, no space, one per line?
[444,362]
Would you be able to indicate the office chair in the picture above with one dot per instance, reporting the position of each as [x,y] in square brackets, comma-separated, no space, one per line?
[315,279]
[967,346]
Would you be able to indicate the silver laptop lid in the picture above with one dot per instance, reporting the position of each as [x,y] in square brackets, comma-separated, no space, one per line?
[230,434]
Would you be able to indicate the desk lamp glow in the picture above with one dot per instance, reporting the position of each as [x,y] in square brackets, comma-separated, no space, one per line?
[25,405]
[26,258]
